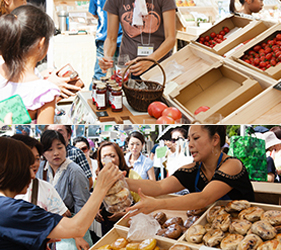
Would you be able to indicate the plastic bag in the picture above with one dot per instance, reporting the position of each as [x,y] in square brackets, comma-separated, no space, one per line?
[142,227]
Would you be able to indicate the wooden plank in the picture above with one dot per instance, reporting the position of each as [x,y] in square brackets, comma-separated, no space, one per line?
[117,117]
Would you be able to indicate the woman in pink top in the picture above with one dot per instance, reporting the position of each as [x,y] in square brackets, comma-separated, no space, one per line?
[27,30]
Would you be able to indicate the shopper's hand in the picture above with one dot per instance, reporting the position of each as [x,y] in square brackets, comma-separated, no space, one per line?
[108,176]
[52,241]
[139,67]
[66,89]
[99,217]
[145,205]
[81,244]
[105,64]
[116,216]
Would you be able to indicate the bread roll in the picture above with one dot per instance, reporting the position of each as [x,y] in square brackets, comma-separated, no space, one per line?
[272,216]
[190,220]
[222,222]
[231,241]
[251,214]
[264,230]
[119,243]
[160,217]
[237,205]
[179,247]
[173,220]
[195,233]
[240,227]
[148,244]
[215,211]
[118,197]
[270,245]
[173,231]
[117,187]
[250,242]
[213,237]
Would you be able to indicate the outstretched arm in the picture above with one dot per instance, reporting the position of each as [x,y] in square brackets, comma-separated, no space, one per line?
[79,224]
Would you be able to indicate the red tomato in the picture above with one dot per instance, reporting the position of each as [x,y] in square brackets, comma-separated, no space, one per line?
[201,39]
[207,38]
[257,48]
[247,61]
[155,109]
[222,33]
[165,120]
[267,50]
[268,56]
[278,37]
[201,109]
[256,61]
[213,35]
[226,29]
[220,37]
[172,112]
[262,65]
[273,62]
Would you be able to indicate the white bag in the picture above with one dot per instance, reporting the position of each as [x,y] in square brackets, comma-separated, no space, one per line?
[143,226]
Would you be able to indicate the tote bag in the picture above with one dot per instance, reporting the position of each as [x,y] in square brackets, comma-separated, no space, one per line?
[251,151]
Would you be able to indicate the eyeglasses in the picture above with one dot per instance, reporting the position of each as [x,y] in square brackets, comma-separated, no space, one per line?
[84,149]
[174,140]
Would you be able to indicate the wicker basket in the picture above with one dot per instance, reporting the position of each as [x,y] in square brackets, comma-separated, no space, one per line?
[139,99]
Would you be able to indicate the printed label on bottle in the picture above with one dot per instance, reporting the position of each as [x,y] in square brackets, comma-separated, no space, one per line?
[116,102]
[100,100]
[94,95]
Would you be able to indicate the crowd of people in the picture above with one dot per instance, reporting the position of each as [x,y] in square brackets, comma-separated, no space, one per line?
[50,182]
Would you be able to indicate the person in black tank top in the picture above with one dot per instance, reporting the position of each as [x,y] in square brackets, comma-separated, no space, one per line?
[212,176]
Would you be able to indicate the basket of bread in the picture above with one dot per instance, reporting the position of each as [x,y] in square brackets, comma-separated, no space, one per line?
[237,224]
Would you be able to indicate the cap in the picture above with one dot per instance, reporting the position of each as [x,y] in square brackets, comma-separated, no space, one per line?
[270,139]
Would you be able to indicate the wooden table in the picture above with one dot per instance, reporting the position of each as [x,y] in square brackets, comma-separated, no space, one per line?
[267,192]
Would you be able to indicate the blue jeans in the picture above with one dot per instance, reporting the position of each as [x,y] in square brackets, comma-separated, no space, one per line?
[99,54]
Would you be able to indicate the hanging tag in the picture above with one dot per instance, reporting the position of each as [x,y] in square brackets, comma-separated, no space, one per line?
[145,50]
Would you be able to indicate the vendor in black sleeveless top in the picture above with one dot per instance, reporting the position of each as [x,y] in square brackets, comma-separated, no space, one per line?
[212,176]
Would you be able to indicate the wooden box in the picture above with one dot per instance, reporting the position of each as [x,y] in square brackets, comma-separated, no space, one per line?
[274,72]
[203,219]
[241,30]
[118,232]
[263,108]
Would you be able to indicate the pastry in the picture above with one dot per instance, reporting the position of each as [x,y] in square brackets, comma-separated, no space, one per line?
[173,231]
[231,241]
[160,217]
[250,242]
[272,216]
[251,214]
[222,222]
[174,220]
[264,230]
[195,233]
[240,227]
[237,205]
[213,237]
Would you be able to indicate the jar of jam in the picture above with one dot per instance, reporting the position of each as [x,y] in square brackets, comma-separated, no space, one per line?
[116,99]
[101,96]
[94,85]
[110,84]
[104,78]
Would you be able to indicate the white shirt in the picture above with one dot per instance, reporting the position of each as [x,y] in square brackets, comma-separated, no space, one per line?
[48,198]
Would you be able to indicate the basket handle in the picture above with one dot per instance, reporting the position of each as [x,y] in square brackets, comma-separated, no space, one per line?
[145,59]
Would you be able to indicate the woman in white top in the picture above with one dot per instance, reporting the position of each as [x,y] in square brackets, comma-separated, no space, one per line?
[140,163]
[47,197]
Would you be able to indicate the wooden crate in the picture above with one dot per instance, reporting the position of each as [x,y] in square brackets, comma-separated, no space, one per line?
[273,72]
[118,232]
[221,88]
[241,30]
[203,219]
[263,108]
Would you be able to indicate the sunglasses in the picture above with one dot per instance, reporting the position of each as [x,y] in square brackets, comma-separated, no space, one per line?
[174,140]
[84,149]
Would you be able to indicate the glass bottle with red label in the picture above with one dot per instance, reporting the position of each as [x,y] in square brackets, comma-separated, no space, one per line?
[101,96]
[116,99]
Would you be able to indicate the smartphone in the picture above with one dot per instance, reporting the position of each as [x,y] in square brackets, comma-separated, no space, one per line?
[14,105]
